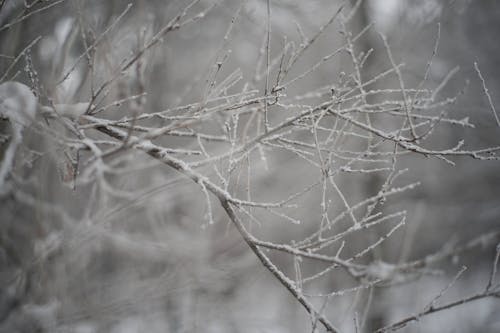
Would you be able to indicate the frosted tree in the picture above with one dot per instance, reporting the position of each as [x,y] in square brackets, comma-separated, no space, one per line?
[274,154]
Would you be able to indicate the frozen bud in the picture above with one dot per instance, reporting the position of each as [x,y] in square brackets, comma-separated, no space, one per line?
[379,270]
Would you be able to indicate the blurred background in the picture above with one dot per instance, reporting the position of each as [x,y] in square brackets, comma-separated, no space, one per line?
[136,254]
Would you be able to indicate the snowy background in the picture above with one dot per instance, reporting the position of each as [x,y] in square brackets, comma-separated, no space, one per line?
[130,245]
